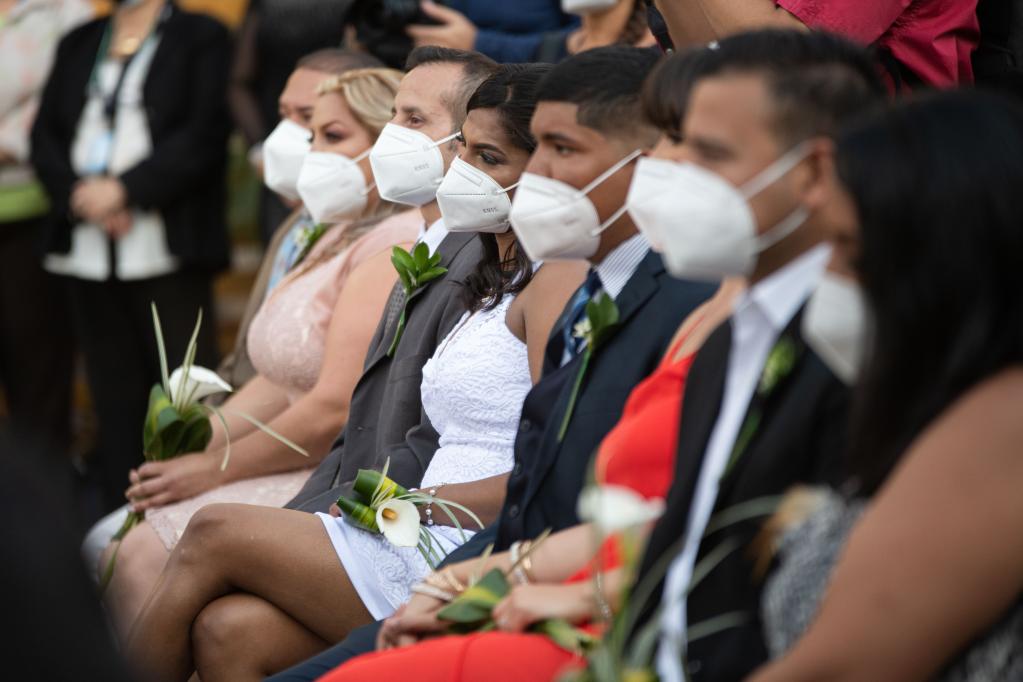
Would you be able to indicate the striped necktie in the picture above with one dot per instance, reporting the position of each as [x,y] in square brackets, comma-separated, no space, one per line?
[573,344]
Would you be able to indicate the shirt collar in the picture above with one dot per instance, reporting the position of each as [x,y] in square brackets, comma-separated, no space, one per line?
[781,294]
[617,268]
[433,235]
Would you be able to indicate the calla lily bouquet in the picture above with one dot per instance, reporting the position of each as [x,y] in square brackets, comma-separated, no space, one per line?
[177,422]
[381,506]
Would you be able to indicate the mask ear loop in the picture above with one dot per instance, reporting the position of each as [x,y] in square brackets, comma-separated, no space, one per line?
[776,171]
[767,177]
[373,183]
[601,178]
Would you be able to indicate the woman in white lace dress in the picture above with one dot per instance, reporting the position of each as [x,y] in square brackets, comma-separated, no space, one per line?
[320,584]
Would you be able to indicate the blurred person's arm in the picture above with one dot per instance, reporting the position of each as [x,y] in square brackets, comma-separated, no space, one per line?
[697,22]
[241,98]
[458,31]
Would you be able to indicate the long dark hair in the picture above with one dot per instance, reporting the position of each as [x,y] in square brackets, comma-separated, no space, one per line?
[511,91]
[938,184]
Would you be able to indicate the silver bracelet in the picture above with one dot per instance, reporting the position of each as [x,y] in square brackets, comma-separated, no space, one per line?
[432,492]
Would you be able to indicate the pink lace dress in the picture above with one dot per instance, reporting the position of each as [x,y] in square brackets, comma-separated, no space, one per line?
[286,343]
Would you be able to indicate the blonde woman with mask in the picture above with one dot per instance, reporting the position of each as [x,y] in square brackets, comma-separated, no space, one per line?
[307,342]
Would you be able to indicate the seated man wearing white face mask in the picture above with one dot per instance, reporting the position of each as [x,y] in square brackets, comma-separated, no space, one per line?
[763,408]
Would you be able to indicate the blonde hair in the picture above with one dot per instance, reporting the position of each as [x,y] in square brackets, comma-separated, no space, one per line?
[369,94]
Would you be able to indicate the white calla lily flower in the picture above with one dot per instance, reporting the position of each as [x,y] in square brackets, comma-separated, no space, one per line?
[198,384]
[613,507]
[399,521]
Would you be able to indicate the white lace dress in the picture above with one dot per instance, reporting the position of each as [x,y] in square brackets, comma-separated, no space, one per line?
[473,389]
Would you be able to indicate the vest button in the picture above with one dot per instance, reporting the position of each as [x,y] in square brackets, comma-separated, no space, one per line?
[513,510]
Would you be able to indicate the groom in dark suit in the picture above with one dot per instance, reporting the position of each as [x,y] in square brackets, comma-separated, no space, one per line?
[762,411]
[581,142]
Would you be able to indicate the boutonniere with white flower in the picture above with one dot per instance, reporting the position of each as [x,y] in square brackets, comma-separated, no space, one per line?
[379,505]
[600,321]
[416,269]
[178,423]
[306,239]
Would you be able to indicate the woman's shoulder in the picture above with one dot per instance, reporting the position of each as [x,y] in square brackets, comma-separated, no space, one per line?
[992,404]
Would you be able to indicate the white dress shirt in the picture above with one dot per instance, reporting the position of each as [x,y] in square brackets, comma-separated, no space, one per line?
[617,268]
[433,235]
[760,316]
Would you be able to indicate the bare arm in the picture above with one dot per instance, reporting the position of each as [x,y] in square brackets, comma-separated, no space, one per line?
[484,497]
[532,315]
[932,564]
[259,398]
[697,22]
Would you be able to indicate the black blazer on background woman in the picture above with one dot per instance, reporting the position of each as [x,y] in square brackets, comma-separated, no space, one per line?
[186,105]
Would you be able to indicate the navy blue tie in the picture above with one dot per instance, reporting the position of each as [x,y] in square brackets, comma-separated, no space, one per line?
[585,294]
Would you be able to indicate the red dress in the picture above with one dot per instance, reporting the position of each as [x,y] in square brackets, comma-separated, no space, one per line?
[638,453]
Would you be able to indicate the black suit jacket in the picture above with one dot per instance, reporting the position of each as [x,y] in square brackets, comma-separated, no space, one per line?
[800,439]
[548,475]
[186,107]
[386,419]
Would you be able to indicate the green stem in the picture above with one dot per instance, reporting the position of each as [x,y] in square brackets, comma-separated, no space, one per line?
[134,519]
[575,394]
[397,333]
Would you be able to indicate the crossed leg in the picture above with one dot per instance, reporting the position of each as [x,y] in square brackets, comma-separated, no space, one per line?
[242,638]
[281,556]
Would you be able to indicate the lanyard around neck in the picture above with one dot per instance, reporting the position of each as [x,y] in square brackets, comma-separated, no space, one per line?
[110,100]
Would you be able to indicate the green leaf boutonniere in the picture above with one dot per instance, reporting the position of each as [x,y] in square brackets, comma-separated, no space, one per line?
[415,270]
[306,239]
[780,362]
[600,321]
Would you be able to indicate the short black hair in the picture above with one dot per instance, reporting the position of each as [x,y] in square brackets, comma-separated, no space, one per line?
[337,60]
[817,80]
[605,83]
[936,183]
[476,68]
[666,90]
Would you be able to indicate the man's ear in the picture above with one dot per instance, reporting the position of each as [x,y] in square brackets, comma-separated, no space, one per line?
[819,175]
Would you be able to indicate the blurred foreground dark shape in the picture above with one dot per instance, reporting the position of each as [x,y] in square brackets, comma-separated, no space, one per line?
[51,617]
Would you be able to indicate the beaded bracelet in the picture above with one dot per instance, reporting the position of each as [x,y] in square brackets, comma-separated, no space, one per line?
[519,570]
[432,492]
[604,609]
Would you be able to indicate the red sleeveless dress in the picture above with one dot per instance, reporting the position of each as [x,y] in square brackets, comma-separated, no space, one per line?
[638,453]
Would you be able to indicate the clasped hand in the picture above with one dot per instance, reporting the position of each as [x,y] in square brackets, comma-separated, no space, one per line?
[102,200]
[155,484]
[524,606]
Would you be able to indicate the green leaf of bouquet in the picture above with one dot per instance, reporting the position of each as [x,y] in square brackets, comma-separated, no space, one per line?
[566,635]
[464,612]
[170,440]
[358,514]
[197,435]
[367,482]
[488,592]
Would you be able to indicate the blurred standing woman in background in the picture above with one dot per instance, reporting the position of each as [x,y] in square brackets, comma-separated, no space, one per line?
[32,341]
[130,144]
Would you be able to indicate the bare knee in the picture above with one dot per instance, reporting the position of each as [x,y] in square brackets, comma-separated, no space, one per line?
[205,531]
[223,636]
